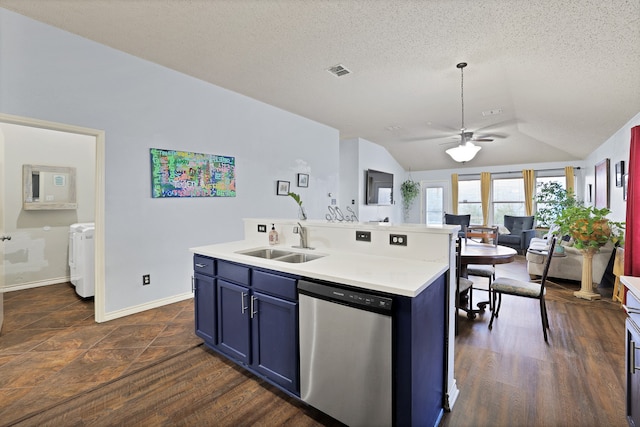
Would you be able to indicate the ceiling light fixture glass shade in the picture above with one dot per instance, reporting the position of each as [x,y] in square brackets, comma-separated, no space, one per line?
[463,152]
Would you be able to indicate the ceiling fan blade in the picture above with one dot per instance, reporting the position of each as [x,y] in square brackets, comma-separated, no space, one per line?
[481,139]
[450,142]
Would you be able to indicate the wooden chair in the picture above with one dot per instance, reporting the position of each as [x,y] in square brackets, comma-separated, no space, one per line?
[481,234]
[519,288]
[618,270]
[485,235]
[462,285]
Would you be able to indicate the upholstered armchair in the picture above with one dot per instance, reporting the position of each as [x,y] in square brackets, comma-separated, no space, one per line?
[462,220]
[521,232]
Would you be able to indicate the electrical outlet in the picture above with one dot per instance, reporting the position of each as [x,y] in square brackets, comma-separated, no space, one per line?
[398,239]
[262,228]
[363,236]
[146,279]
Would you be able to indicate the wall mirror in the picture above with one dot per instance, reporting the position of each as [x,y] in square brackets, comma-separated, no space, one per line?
[49,187]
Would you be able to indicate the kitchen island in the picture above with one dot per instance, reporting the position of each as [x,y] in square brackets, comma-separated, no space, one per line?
[247,308]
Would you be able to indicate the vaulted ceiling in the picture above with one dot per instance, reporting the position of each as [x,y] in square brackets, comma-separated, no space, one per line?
[548,80]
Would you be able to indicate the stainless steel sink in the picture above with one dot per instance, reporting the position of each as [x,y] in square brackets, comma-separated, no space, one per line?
[280,255]
[266,253]
[297,258]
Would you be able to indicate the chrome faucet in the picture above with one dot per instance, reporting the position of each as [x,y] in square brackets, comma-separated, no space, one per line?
[303,237]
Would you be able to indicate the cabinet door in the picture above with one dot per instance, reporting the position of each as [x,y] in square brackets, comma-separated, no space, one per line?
[633,373]
[233,320]
[275,340]
[205,307]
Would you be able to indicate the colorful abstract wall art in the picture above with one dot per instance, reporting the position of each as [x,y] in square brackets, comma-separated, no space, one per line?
[183,174]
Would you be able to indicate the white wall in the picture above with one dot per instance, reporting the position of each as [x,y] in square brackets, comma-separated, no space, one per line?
[52,75]
[615,148]
[369,156]
[37,251]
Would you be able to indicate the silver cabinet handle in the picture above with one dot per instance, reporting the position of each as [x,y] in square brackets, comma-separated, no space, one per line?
[252,306]
[242,307]
[201,265]
[193,284]
[632,356]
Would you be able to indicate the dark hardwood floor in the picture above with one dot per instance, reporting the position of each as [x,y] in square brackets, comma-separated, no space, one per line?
[510,377]
[51,350]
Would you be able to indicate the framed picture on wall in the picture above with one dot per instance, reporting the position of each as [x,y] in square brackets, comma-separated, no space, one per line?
[283,188]
[625,186]
[602,184]
[619,173]
[303,180]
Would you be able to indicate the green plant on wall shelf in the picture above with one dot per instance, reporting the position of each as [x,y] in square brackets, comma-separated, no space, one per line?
[410,190]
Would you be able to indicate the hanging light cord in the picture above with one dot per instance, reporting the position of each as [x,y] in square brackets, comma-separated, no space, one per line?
[461,66]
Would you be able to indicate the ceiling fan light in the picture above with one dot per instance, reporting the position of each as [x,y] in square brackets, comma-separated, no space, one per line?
[463,152]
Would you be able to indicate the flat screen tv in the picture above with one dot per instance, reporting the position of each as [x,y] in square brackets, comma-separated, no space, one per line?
[379,188]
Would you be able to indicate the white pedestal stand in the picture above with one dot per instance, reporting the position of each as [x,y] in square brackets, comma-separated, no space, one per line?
[586,288]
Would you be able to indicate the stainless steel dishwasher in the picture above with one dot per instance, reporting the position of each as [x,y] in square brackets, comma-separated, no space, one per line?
[345,353]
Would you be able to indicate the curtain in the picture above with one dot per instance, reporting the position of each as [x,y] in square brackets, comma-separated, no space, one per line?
[632,235]
[570,179]
[529,176]
[485,190]
[454,193]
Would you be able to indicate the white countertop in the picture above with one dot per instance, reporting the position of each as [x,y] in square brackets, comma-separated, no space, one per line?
[397,276]
[633,283]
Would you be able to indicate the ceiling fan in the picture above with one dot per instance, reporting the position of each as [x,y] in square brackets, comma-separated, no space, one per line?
[466,149]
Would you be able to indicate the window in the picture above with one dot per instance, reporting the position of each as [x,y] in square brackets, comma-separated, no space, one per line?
[508,198]
[469,200]
[545,207]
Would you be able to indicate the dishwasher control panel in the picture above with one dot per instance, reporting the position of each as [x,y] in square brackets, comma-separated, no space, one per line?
[364,300]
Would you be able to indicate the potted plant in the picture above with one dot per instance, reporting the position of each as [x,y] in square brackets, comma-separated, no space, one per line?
[302,215]
[590,229]
[409,190]
[551,199]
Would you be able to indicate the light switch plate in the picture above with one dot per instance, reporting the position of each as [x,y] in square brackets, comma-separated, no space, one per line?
[363,236]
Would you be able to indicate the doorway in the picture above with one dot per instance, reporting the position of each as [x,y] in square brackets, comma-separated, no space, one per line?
[97,139]
[435,199]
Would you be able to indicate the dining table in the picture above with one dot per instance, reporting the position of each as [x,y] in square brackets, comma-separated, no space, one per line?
[473,252]
[484,254]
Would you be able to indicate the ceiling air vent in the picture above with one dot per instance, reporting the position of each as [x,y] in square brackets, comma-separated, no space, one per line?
[338,70]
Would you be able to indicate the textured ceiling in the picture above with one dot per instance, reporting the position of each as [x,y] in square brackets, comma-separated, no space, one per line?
[566,74]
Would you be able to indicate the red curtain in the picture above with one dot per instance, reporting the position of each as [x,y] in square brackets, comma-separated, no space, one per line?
[632,235]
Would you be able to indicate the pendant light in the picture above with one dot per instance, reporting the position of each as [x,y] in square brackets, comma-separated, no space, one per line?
[467,150]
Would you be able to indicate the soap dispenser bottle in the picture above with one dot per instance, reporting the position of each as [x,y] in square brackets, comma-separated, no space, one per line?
[273,235]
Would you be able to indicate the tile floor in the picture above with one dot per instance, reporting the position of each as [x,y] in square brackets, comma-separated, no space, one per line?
[51,348]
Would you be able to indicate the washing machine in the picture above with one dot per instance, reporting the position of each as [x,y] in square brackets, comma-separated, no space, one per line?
[82,258]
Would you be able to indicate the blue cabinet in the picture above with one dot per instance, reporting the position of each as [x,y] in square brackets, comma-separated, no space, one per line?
[275,340]
[204,288]
[234,320]
[205,299]
[251,316]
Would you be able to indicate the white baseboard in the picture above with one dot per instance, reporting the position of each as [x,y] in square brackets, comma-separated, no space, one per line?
[146,306]
[30,285]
